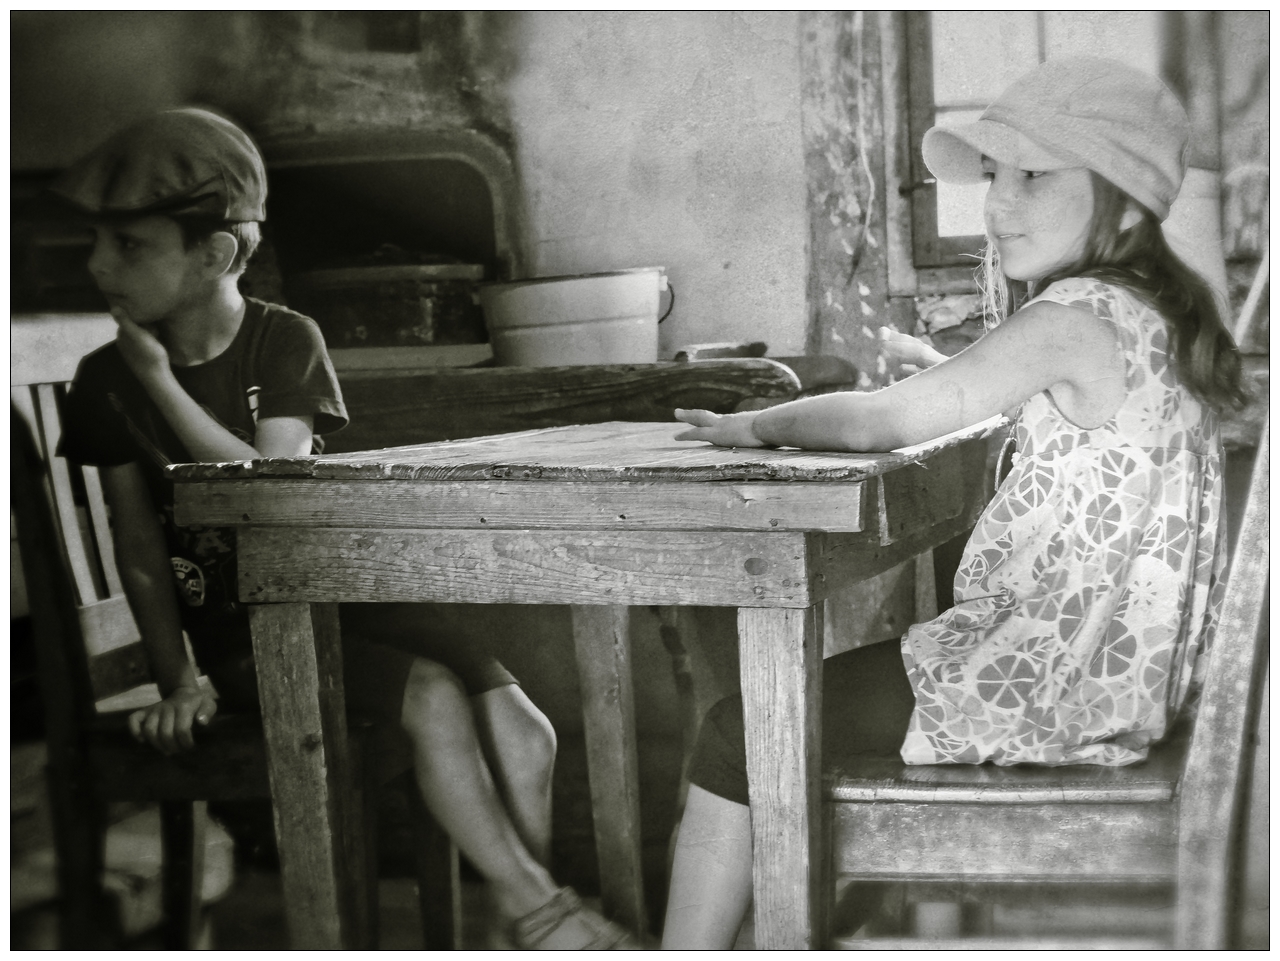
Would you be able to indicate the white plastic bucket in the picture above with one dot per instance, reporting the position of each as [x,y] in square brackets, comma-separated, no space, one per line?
[607,318]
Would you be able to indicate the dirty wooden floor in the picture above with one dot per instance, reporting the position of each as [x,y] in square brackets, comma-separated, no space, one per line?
[250,914]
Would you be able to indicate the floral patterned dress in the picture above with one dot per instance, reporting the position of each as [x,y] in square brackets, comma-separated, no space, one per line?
[1093,581]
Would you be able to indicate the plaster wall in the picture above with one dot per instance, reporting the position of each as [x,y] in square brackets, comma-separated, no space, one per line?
[670,139]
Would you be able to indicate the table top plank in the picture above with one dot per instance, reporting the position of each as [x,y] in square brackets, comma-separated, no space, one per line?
[614,451]
[497,504]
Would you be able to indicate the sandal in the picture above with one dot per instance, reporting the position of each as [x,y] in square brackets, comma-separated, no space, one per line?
[536,926]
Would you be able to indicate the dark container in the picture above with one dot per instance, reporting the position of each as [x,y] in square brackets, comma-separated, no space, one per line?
[393,306]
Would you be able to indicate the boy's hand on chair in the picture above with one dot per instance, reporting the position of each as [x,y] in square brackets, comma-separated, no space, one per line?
[166,726]
[139,347]
[723,430]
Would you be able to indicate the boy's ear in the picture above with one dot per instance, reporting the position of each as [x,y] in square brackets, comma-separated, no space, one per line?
[1131,217]
[220,252]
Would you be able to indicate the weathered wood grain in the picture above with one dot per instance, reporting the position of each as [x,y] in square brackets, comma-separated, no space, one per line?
[107,625]
[280,564]
[1215,765]
[119,671]
[1052,943]
[299,661]
[911,500]
[588,453]
[1035,842]
[781,670]
[497,505]
[445,404]
[602,642]
[880,779]
[839,560]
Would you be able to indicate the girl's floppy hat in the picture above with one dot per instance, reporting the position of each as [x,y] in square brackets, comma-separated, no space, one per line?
[187,161]
[1078,112]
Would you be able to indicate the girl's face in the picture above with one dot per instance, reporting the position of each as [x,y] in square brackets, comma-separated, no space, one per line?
[1038,220]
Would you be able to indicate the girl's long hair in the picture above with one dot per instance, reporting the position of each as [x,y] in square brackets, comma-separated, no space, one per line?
[1140,259]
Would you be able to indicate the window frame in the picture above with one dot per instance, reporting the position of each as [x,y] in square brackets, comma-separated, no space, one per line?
[928,249]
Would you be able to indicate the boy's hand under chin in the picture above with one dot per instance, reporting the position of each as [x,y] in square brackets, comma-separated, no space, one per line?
[723,430]
[141,349]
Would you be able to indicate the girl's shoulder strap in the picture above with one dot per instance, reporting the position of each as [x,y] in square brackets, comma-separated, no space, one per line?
[1073,291]
[1110,302]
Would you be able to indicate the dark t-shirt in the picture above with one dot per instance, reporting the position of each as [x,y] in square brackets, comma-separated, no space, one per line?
[276,366]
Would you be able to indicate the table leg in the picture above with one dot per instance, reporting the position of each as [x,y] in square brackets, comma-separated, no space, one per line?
[602,641]
[781,665]
[298,653]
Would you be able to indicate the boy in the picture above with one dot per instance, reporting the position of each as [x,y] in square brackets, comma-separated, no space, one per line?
[200,373]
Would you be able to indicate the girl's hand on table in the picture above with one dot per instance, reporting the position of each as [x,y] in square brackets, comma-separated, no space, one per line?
[723,430]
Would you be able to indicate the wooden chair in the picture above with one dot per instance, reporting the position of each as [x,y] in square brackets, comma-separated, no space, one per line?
[1167,827]
[92,672]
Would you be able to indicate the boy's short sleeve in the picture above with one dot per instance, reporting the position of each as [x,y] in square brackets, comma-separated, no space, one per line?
[302,381]
[93,429]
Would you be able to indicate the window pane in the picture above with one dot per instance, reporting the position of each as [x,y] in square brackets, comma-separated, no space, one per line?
[978,54]
[1128,35]
[959,207]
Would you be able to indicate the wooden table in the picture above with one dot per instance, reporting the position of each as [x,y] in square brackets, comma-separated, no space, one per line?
[598,517]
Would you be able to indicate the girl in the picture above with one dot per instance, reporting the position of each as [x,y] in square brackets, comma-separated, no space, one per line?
[1092,581]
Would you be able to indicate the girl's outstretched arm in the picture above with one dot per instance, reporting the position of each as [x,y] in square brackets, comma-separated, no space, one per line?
[1045,346]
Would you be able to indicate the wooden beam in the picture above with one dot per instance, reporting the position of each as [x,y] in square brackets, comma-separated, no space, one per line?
[602,641]
[1030,841]
[781,671]
[299,661]
[497,505]
[525,567]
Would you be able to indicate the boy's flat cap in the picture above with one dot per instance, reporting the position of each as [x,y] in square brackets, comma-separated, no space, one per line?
[185,161]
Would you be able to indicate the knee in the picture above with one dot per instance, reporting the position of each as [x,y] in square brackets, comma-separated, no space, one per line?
[537,745]
[431,690]
[524,735]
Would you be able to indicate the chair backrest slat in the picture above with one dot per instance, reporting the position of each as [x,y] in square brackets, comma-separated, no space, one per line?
[25,404]
[63,666]
[1214,775]
[102,530]
[45,353]
[63,499]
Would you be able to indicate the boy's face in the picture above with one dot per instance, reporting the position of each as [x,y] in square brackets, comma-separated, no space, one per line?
[144,269]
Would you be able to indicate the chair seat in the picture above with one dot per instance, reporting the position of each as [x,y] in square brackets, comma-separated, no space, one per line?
[869,779]
[1037,824]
